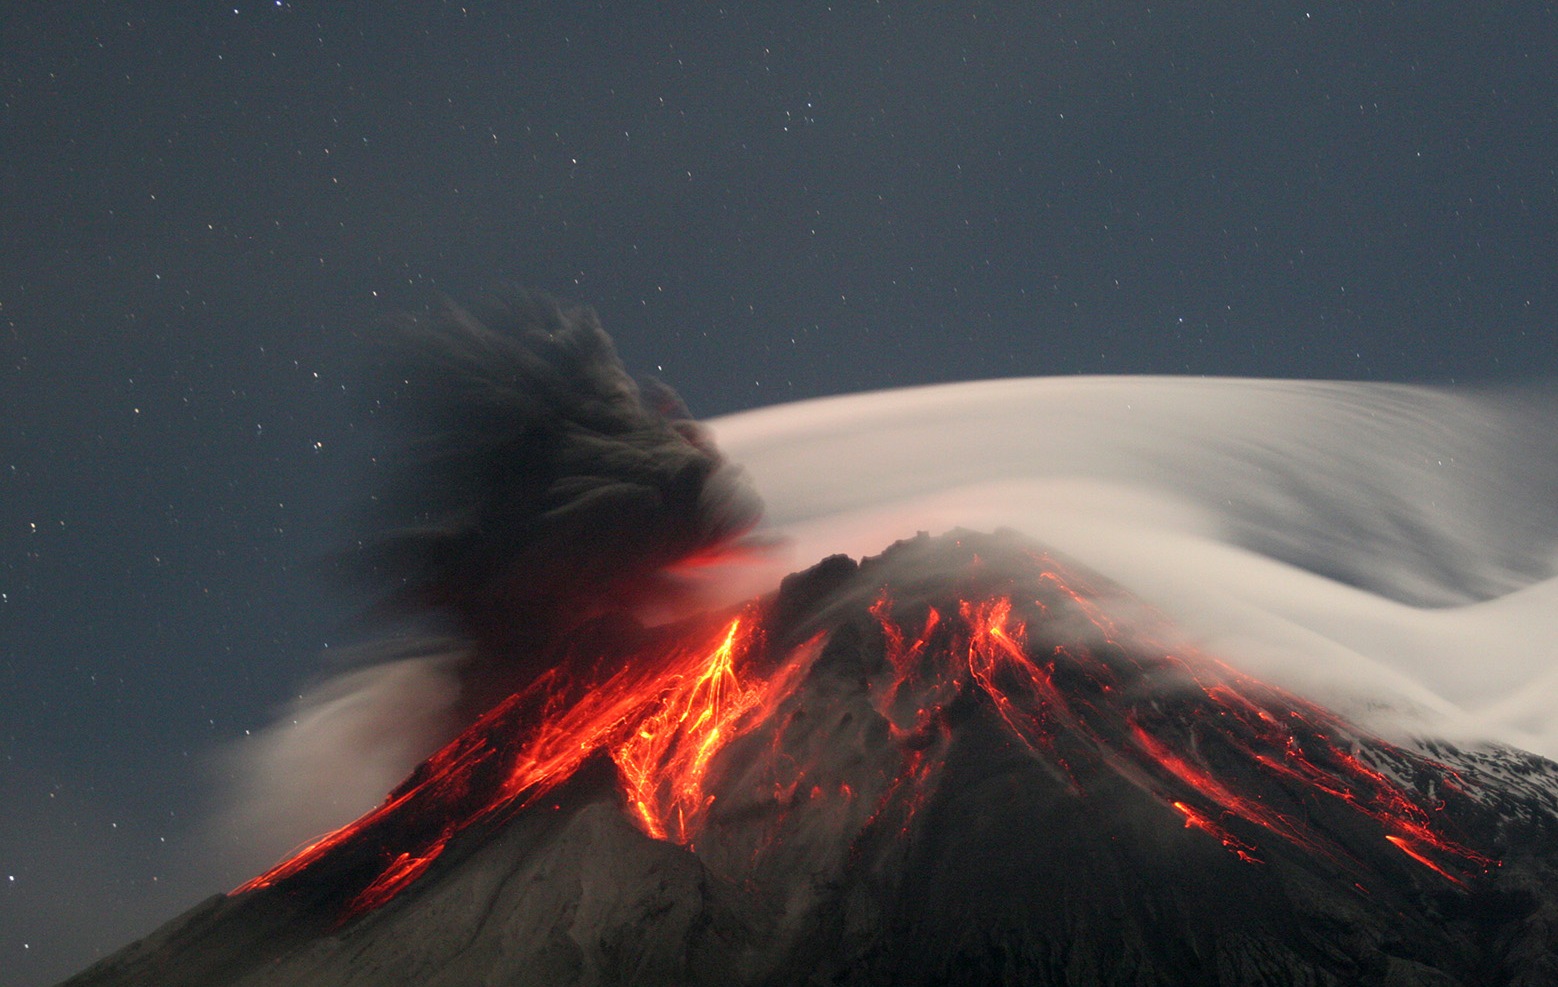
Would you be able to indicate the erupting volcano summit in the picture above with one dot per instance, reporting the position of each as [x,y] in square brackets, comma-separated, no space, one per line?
[966,760]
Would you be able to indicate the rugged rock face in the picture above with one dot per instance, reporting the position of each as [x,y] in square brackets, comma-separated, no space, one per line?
[961,762]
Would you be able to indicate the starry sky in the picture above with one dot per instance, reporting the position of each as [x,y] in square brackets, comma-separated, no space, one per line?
[206,209]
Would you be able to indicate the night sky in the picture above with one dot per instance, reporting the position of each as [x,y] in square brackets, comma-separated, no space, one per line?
[206,210]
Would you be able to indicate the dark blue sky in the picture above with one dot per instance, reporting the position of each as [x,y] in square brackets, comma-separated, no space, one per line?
[204,209]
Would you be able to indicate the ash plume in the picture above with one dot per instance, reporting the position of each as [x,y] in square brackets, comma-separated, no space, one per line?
[535,486]
[540,486]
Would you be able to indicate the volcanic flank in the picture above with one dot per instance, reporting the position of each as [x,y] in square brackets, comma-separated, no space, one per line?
[964,760]
[948,764]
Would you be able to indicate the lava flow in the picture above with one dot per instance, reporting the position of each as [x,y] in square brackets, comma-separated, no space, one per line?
[661,718]
[736,715]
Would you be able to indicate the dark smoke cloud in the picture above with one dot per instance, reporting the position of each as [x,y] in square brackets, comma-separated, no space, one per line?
[539,486]
[536,486]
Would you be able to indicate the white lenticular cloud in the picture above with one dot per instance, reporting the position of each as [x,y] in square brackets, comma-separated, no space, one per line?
[1389,550]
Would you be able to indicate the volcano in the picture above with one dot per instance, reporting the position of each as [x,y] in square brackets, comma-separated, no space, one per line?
[965,760]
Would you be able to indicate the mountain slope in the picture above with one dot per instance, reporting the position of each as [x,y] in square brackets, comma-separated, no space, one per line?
[961,761]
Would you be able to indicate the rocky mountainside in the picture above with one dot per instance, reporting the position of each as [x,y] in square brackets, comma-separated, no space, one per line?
[962,761]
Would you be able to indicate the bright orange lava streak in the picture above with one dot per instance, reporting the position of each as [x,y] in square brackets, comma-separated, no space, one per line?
[664,760]
[661,721]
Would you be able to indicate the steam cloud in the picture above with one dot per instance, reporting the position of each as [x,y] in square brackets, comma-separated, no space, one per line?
[1386,550]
